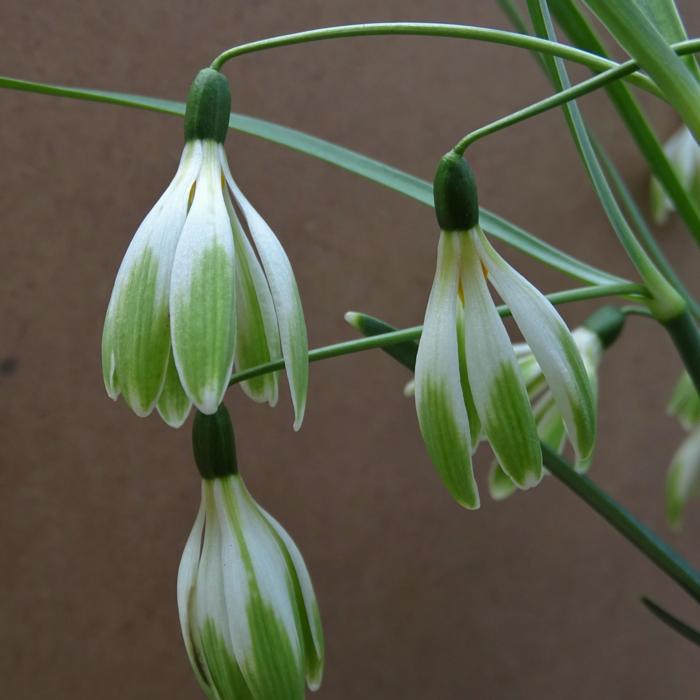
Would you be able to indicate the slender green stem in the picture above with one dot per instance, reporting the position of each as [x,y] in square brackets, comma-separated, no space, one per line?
[644,539]
[634,310]
[684,333]
[560,98]
[407,334]
[455,31]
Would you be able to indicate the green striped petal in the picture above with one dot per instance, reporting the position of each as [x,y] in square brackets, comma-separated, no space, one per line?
[257,335]
[202,292]
[552,345]
[186,577]
[285,296]
[173,403]
[440,404]
[683,479]
[136,339]
[497,386]
[685,402]
[472,415]
[306,603]
[260,597]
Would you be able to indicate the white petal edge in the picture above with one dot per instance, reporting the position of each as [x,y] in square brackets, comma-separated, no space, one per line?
[285,295]
[437,370]
[546,334]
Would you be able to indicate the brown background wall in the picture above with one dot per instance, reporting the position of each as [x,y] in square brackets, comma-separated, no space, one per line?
[531,598]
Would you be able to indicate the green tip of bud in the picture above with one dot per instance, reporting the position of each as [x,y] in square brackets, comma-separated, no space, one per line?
[606,323]
[454,190]
[208,107]
[213,444]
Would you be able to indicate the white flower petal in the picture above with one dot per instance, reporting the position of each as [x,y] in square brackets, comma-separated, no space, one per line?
[136,340]
[497,386]
[551,343]
[285,296]
[202,290]
[311,622]
[257,334]
[683,479]
[173,403]
[442,414]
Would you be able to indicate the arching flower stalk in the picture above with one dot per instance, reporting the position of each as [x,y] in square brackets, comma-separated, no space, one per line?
[192,299]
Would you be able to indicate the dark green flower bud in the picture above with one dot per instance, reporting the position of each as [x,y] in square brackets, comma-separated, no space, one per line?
[606,323]
[208,107]
[213,444]
[454,190]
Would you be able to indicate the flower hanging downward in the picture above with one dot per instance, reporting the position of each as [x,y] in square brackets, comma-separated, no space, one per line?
[191,299]
[467,376]
[248,612]
[683,478]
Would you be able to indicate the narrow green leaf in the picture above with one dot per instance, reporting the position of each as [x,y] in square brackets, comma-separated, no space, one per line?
[626,21]
[685,630]
[354,162]
[578,29]
[403,353]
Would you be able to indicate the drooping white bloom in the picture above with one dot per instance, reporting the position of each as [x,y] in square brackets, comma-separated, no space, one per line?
[683,153]
[192,299]
[467,378]
[683,478]
[549,420]
[248,611]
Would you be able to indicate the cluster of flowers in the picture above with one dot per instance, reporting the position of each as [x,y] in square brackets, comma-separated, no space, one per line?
[196,297]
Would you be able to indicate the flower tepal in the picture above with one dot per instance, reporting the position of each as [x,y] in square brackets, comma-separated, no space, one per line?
[193,297]
[468,381]
[248,612]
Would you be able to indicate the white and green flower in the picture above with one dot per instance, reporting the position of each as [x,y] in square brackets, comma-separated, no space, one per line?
[192,300]
[467,379]
[248,612]
[683,153]
[548,418]
[683,478]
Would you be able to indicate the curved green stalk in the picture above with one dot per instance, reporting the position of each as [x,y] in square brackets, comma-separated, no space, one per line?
[406,334]
[374,170]
[644,539]
[666,302]
[564,96]
[455,31]
[581,32]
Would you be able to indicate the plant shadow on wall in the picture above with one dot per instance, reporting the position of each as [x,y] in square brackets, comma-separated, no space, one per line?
[206,298]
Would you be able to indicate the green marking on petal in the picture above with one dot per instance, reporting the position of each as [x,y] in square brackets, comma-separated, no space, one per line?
[581,398]
[203,328]
[683,479]
[136,342]
[474,422]
[510,428]
[173,403]
[446,444]
[220,665]
[501,486]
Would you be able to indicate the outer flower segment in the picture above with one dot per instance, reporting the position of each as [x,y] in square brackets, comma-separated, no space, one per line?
[192,299]
[683,478]
[549,420]
[467,379]
[683,152]
[248,611]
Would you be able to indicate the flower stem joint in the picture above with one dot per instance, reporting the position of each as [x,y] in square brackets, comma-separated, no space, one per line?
[208,107]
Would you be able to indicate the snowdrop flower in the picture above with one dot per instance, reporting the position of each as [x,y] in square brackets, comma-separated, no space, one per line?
[683,478]
[467,379]
[192,299]
[591,339]
[683,152]
[248,612]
